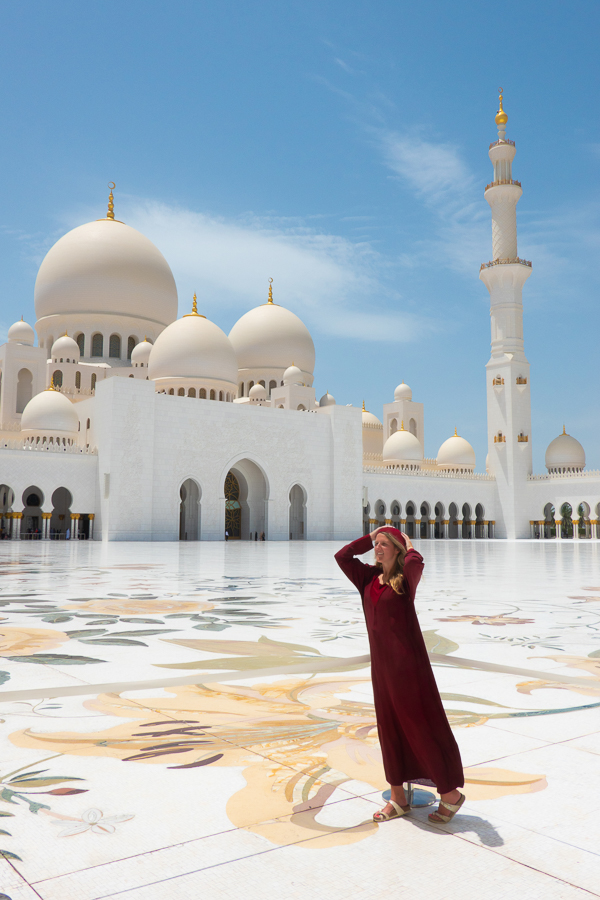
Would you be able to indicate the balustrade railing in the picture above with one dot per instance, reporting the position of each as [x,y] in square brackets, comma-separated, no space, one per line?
[553,476]
[426,473]
[501,141]
[509,261]
[502,181]
[47,448]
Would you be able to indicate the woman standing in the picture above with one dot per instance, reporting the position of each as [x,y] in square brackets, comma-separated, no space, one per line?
[416,740]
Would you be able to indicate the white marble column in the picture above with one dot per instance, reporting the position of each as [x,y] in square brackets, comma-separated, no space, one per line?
[459,523]
[91,517]
[432,528]
[594,529]
[417,528]
[445,523]
[46,525]
[558,523]
[17,519]
[575,529]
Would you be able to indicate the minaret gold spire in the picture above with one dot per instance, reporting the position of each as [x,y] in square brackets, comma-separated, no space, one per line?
[402,425]
[364,410]
[564,432]
[111,201]
[194,311]
[501,117]
[455,432]
[270,300]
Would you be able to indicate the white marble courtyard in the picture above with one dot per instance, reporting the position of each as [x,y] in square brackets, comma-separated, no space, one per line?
[181,720]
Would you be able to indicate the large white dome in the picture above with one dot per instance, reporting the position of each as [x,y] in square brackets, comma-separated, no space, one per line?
[106,267]
[272,337]
[565,453]
[456,453]
[50,413]
[403,392]
[401,448]
[193,347]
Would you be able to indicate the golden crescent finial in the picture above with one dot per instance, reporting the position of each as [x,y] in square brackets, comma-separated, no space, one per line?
[455,432]
[501,117]
[270,300]
[111,205]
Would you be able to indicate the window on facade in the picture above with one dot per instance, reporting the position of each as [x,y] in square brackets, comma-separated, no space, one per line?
[203,393]
[241,389]
[221,395]
[24,389]
[57,378]
[114,346]
[81,343]
[192,392]
[172,391]
[250,385]
[77,380]
[181,392]
[131,342]
[97,345]
[87,424]
[93,382]
[212,395]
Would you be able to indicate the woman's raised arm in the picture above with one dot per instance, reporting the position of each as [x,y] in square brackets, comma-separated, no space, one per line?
[358,572]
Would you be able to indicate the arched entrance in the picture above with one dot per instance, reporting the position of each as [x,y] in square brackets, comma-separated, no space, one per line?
[297,513]
[439,520]
[60,520]
[189,511]
[425,512]
[395,513]
[566,512]
[31,526]
[466,526]
[549,524]
[410,519]
[380,513]
[246,495]
[7,497]
[453,521]
[585,528]
[479,526]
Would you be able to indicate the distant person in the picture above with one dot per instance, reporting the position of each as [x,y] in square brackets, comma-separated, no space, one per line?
[68,535]
[226,535]
[262,536]
[416,740]
[256,535]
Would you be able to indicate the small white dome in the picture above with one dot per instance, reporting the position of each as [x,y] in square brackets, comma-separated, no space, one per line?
[257,392]
[403,392]
[65,348]
[456,453]
[369,420]
[402,447]
[327,400]
[50,413]
[269,336]
[565,453]
[193,347]
[292,375]
[21,333]
[141,353]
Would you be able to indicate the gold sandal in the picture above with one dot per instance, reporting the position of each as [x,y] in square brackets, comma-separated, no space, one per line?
[398,811]
[453,807]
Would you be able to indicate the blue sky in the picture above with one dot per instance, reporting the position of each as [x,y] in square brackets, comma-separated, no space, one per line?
[340,148]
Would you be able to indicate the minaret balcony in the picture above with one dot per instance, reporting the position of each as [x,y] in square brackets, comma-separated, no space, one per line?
[500,142]
[511,261]
[502,181]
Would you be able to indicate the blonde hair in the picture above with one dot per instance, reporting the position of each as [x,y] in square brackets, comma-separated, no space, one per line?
[396,576]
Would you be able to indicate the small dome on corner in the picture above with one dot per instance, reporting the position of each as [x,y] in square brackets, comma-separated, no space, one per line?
[327,400]
[403,392]
[141,353]
[257,392]
[21,333]
[565,454]
[456,453]
[293,375]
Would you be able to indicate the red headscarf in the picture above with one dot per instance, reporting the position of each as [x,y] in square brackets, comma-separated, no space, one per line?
[393,531]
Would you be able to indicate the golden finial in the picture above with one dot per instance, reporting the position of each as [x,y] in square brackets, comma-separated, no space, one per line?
[111,201]
[455,432]
[194,311]
[270,300]
[402,425]
[364,410]
[501,117]
[51,385]
[564,432]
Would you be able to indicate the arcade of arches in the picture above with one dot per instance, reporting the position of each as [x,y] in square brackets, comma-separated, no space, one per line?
[426,521]
[570,522]
[35,519]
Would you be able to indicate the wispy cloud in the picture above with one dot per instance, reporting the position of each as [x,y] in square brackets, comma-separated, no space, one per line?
[338,287]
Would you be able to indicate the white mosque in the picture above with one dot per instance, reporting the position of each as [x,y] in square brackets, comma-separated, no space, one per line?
[126,423]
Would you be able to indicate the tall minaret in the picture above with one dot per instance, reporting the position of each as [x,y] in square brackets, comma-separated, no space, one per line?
[508,388]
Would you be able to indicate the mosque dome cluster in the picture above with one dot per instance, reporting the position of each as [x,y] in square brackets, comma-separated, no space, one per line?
[50,414]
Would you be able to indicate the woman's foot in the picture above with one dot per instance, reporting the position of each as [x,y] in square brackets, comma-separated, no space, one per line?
[445,812]
[389,811]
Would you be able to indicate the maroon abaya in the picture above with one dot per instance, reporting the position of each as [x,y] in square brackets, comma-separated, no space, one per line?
[416,739]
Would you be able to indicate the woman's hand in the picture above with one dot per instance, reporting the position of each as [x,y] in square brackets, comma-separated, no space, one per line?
[407,540]
[374,534]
